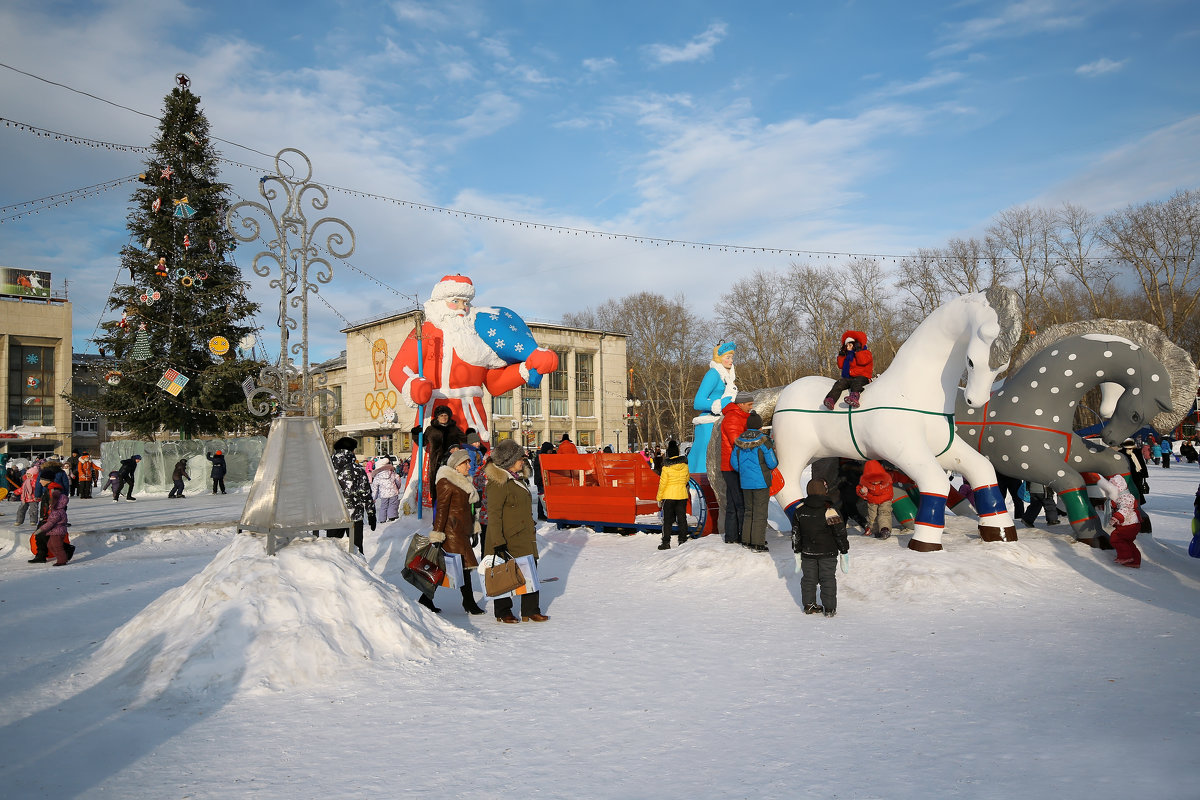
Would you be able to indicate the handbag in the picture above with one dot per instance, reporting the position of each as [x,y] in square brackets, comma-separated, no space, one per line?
[424,564]
[502,578]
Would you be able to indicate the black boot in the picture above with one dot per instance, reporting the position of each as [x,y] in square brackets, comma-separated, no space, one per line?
[666,542]
[427,601]
[468,597]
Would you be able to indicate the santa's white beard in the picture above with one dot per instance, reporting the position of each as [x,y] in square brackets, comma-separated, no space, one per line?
[458,332]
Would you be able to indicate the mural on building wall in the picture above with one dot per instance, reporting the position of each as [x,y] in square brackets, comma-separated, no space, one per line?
[381,400]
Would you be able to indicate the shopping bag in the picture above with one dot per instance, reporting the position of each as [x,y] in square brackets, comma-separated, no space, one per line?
[454,571]
[529,570]
[424,564]
[502,578]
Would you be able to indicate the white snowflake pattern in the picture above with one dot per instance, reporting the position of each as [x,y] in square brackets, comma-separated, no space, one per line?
[499,343]
[508,314]
[491,331]
[520,348]
[512,327]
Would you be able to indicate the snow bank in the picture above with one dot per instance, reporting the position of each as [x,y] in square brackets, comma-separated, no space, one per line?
[250,623]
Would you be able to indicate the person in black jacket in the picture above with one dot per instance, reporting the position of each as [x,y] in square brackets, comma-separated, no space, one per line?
[178,476]
[125,478]
[441,435]
[356,489]
[218,470]
[818,535]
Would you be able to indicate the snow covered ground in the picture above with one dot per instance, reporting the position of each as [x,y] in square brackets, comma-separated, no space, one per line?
[174,659]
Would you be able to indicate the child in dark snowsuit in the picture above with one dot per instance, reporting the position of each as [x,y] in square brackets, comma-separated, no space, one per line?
[856,365]
[818,535]
[178,477]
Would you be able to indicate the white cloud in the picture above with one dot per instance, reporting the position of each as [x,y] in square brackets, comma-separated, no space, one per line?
[598,65]
[1151,167]
[698,49]
[1016,19]
[1099,67]
[934,80]
[493,111]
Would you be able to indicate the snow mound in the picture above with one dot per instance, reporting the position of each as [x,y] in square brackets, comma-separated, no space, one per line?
[252,623]
[965,572]
[708,559]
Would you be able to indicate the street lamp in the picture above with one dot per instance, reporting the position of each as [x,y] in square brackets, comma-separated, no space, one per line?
[527,426]
[631,413]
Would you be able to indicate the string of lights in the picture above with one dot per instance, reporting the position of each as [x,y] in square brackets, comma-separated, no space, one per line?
[62,198]
[656,241]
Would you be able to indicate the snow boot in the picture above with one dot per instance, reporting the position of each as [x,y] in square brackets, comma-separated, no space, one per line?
[666,543]
[813,608]
[883,533]
[682,538]
[829,402]
[428,603]
[468,599]
[852,399]
[831,612]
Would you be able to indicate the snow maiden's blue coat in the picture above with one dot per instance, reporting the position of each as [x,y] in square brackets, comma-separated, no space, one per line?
[716,391]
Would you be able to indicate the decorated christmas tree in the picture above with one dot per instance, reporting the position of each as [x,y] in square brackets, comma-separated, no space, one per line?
[172,359]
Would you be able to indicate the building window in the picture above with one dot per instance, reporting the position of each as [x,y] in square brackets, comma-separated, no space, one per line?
[587,439]
[502,405]
[531,404]
[383,445]
[558,386]
[87,426]
[585,402]
[31,389]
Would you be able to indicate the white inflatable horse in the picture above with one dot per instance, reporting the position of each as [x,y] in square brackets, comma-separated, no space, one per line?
[907,414]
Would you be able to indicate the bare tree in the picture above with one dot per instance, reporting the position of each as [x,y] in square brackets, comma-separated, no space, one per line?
[665,357]
[822,313]
[1075,240]
[1158,242]
[759,315]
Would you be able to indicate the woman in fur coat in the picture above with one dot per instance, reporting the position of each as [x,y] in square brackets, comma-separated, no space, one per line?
[453,521]
[511,530]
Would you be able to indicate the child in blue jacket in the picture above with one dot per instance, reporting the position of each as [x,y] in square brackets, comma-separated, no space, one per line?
[753,458]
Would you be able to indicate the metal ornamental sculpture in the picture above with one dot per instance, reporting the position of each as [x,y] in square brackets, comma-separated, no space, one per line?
[294,250]
[1025,429]
[907,413]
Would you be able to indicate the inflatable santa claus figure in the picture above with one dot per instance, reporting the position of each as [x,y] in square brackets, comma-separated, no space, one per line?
[457,363]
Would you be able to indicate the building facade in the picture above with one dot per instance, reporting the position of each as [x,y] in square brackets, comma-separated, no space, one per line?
[35,371]
[584,397]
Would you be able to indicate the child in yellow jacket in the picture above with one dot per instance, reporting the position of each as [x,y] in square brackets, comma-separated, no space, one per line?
[673,495]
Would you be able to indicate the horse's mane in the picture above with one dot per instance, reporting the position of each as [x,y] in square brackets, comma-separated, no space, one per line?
[1180,368]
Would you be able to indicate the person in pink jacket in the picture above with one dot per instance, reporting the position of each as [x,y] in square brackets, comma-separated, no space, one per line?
[29,501]
[51,534]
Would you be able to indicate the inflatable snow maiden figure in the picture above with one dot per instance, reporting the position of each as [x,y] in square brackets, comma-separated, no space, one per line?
[907,413]
[716,391]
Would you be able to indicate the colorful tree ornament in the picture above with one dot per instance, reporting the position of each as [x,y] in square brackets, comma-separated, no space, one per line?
[167,173]
[141,344]
[212,246]
[157,204]
[183,80]
[187,242]
[183,210]
[161,269]
[172,382]
[32,382]
[113,377]
[219,345]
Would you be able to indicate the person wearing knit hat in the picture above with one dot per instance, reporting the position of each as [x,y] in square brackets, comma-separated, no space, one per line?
[717,390]
[754,459]
[511,530]
[454,521]
[818,535]
[386,488]
[217,473]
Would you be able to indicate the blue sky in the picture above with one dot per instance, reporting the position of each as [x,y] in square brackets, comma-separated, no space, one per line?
[864,127]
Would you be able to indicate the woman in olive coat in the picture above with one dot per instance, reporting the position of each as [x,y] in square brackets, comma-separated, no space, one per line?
[453,520]
[511,529]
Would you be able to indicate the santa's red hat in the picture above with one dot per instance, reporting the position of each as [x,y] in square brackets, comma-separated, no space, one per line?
[454,287]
